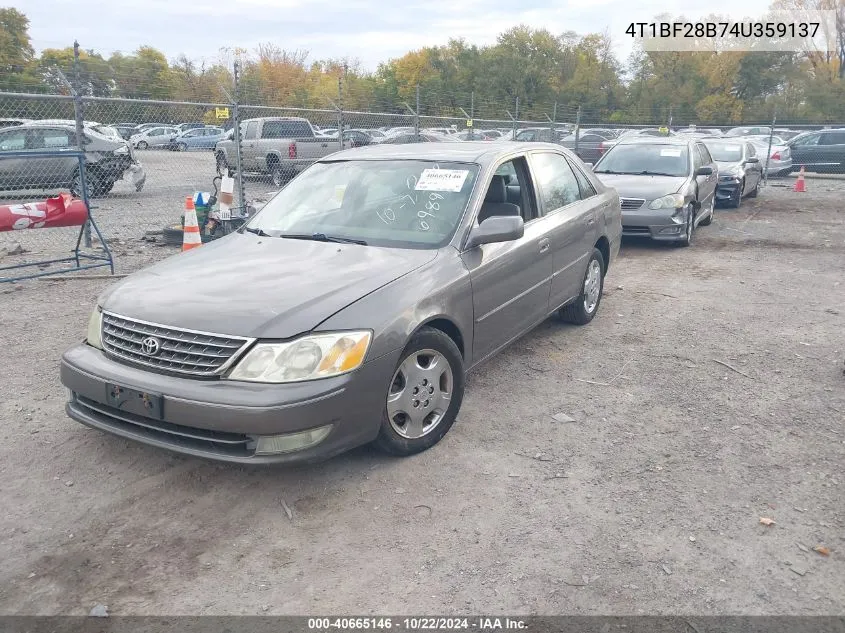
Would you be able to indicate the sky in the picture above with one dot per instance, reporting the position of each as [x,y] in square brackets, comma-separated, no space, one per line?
[371,31]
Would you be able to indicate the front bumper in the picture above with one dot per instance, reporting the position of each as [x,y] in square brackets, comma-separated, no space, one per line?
[726,190]
[136,175]
[657,225]
[220,419]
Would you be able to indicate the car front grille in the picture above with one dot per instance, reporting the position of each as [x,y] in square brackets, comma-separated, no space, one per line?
[631,203]
[178,351]
[636,230]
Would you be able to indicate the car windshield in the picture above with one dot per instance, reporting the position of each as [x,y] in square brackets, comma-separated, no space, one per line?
[399,203]
[725,152]
[647,159]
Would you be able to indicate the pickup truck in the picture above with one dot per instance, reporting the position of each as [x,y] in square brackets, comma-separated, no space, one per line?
[279,146]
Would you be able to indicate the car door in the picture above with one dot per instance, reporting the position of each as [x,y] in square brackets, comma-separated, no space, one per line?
[753,171]
[805,150]
[510,280]
[12,170]
[832,150]
[706,185]
[571,222]
[48,171]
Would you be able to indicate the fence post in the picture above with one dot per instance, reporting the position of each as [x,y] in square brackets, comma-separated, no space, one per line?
[552,126]
[340,107]
[577,128]
[237,117]
[79,115]
[417,116]
[515,118]
[472,115]
[769,151]
[670,119]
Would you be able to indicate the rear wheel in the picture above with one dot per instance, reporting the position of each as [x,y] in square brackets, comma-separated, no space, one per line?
[424,395]
[280,175]
[181,147]
[584,308]
[94,181]
[143,145]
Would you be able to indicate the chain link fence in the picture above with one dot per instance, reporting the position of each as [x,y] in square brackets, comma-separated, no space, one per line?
[144,157]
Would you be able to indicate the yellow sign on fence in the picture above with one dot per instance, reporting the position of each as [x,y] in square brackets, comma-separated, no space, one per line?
[221,113]
[469,122]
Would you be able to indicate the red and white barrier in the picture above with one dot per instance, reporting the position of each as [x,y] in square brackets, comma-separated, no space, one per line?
[62,210]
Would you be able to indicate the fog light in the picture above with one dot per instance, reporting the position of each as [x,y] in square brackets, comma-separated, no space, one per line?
[671,229]
[275,444]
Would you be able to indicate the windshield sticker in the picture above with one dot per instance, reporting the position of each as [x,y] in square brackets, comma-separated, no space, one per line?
[732,148]
[670,152]
[339,192]
[451,180]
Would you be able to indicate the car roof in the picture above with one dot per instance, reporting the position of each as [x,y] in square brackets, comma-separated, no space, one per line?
[657,140]
[462,152]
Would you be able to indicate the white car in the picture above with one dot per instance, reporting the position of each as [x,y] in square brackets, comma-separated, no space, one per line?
[154,137]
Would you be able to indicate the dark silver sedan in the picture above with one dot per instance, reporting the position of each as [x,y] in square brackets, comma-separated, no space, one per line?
[667,186]
[350,308]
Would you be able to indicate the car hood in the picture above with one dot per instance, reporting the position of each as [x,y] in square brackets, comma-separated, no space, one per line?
[729,167]
[647,187]
[245,285]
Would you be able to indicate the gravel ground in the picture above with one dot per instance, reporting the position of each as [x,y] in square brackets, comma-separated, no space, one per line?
[717,398]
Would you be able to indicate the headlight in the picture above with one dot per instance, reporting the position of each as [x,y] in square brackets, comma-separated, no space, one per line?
[123,149]
[672,201]
[306,358]
[95,326]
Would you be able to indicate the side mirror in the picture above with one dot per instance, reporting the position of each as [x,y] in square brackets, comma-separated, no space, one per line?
[497,228]
[706,170]
[753,160]
[589,166]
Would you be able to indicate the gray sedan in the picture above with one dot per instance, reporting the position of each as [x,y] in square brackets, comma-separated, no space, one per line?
[667,186]
[354,304]
[740,172]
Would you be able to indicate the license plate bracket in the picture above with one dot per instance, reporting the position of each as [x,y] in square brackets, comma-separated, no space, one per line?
[149,405]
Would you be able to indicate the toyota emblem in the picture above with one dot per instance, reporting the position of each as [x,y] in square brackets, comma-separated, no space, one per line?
[151,346]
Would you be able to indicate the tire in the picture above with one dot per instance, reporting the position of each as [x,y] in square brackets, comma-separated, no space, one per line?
[584,308]
[95,184]
[222,164]
[689,229]
[181,147]
[736,199]
[106,188]
[709,219]
[143,145]
[280,175]
[402,435]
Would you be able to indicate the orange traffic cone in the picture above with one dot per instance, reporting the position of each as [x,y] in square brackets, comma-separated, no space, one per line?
[191,235]
[799,184]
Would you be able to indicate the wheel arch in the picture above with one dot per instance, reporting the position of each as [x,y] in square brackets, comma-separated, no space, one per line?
[603,244]
[448,327]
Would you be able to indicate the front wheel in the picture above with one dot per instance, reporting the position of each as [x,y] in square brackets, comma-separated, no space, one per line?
[689,228]
[708,219]
[584,308]
[92,179]
[424,395]
[181,147]
[143,145]
[280,175]
[736,198]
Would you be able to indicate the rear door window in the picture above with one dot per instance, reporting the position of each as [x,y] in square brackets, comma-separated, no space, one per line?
[555,180]
[13,141]
[286,129]
[833,138]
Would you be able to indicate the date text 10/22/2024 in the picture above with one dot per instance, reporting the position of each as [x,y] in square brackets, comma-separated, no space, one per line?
[480,623]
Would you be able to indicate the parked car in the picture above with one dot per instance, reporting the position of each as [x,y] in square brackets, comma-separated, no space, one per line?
[786,134]
[125,130]
[197,138]
[780,158]
[540,134]
[377,135]
[755,130]
[184,127]
[667,186]
[107,160]
[279,146]
[429,137]
[356,138]
[822,151]
[649,131]
[356,301]
[740,171]
[440,130]
[601,131]
[493,134]
[4,123]
[153,137]
[591,146]
[474,135]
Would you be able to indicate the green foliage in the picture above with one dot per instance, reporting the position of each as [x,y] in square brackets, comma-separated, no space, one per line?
[548,73]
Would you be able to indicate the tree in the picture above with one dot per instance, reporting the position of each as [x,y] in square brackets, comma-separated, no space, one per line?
[17,68]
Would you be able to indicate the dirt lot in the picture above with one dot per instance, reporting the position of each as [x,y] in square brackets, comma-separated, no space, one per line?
[649,502]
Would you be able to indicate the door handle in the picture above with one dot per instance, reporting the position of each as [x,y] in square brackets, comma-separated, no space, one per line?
[544,245]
